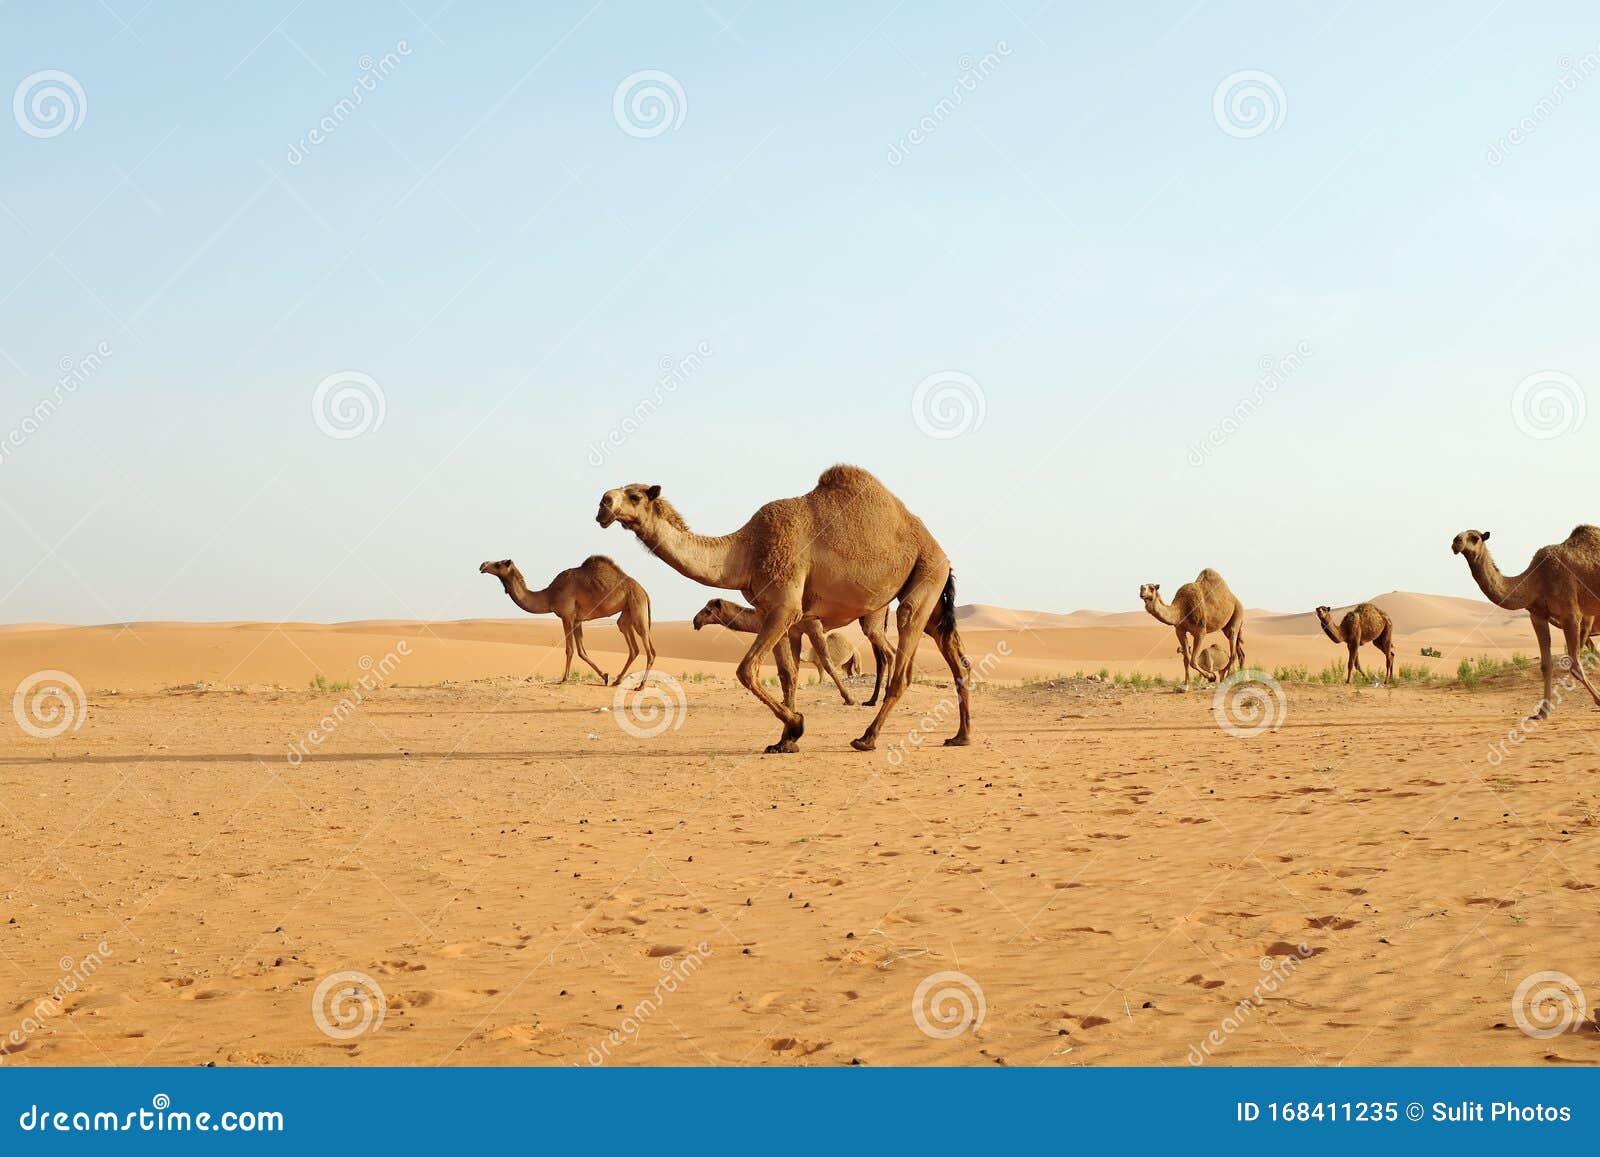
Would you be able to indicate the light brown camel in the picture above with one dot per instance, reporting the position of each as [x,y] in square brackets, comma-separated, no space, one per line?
[1364,623]
[596,590]
[1561,586]
[842,552]
[1200,607]
[840,657]
[1211,662]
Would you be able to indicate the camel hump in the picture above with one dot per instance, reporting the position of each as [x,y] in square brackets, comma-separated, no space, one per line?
[845,477]
[604,567]
[1584,532]
[1208,576]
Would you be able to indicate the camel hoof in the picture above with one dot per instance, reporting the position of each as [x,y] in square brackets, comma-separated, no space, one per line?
[864,744]
[783,747]
[958,741]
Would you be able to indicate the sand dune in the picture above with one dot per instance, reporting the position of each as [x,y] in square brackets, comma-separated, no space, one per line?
[1021,644]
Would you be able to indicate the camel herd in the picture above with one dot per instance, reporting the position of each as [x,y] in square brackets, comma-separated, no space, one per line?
[846,550]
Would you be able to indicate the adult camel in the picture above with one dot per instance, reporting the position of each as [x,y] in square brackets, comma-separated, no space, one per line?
[839,553]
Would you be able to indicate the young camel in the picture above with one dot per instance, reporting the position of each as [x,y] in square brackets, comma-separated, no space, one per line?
[1561,587]
[596,590]
[1363,624]
[1200,607]
[844,551]
[839,657]
[1211,662]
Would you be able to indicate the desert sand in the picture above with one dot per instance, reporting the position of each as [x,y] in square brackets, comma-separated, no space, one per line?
[513,872]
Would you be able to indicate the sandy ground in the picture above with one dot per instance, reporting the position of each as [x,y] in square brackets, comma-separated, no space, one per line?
[519,879]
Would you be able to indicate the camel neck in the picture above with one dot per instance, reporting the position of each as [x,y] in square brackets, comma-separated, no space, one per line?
[1332,629]
[713,562]
[1164,612]
[1501,591]
[534,602]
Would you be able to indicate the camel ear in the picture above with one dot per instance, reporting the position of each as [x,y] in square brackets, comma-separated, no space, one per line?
[653,493]
[1486,536]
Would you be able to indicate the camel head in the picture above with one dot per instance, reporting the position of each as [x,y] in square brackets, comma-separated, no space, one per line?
[1469,543]
[500,570]
[1325,614]
[629,505]
[1149,593]
[715,611]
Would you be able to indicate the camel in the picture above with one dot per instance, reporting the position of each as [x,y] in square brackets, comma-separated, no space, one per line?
[1211,662]
[1561,586]
[843,551]
[1199,607]
[597,589]
[1364,623]
[839,657]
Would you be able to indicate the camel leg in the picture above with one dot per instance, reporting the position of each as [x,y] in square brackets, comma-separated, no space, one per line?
[577,637]
[819,651]
[1183,651]
[1575,641]
[961,671]
[1352,663]
[1236,648]
[875,629]
[567,629]
[787,656]
[916,604]
[775,625]
[629,630]
[1541,631]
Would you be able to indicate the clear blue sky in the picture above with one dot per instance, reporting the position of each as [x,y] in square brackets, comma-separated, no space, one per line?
[1078,234]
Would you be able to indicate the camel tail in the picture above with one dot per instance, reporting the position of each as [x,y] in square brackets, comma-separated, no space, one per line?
[947,605]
